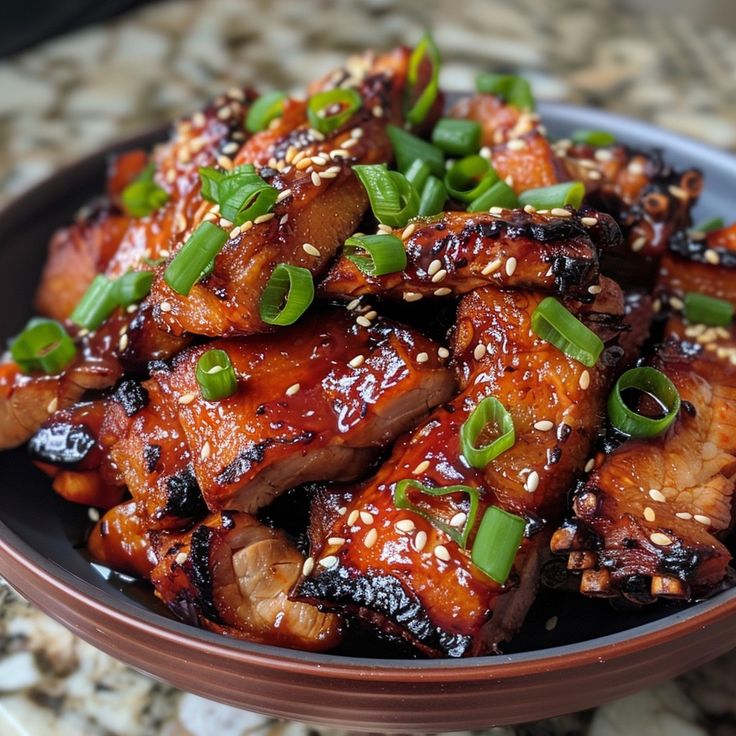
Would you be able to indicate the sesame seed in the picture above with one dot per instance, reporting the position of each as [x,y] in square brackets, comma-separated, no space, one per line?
[405,525]
[354,514]
[384,229]
[53,405]
[442,291]
[636,168]
[639,243]
[181,558]
[171,176]
[495,211]
[234,232]
[702,519]
[479,351]
[316,135]
[603,155]
[371,315]
[199,120]
[224,113]
[678,192]
[284,219]
[342,511]
[93,514]
[589,465]
[353,305]
[357,361]
[370,539]
[530,209]
[485,152]
[316,180]
[589,221]
[684,515]
[225,223]
[283,195]
[510,266]
[492,267]
[230,148]
[329,174]
[336,541]
[123,343]
[551,623]
[363,321]
[408,231]
[595,175]
[516,145]
[293,389]
[225,162]
[412,296]
[584,380]
[661,539]
[443,352]
[311,250]
[420,541]
[532,482]
[264,218]
[421,467]
[649,514]
[349,143]
[439,276]
[441,553]
[656,495]
[366,517]
[676,303]
[187,398]
[594,289]
[459,519]
[377,111]
[435,266]
[356,132]
[712,257]
[422,358]
[319,160]
[560,212]
[329,561]
[205,452]
[308,566]
[209,217]
[544,425]
[339,153]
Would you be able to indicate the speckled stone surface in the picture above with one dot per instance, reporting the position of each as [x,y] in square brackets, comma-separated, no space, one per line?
[71,95]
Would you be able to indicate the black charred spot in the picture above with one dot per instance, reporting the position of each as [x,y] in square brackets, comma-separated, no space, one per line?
[637,589]
[151,456]
[62,443]
[184,498]
[573,274]
[261,409]
[563,431]
[630,543]
[554,454]
[534,525]
[689,408]
[680,562]
[130,395]
[200,572]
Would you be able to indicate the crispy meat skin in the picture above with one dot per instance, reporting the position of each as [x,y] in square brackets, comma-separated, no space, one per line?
[232,575]
[379,573]
[552,254]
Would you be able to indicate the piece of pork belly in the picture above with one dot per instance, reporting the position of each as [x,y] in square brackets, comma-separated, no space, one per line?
[396,570]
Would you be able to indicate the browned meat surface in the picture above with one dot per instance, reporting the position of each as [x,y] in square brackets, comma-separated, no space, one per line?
[395,569]
[460,251]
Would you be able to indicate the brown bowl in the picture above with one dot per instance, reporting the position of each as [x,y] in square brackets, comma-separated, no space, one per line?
[595,654]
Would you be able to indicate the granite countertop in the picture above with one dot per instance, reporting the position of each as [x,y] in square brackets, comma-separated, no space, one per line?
[71,95]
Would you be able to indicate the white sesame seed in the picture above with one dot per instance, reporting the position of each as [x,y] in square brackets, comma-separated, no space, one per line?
[53,405]
[532,482]
[551,623]
[595,175]
[339,153]
[199,120]
[234,232]
[370,539]
[492,267]
[421,467]
[584,380]
[336,541]
[459,519]
[293,389]
[422,357]
[283,195]
[678,192]
[510,266]
[209,217]
[442,291]
[353,305]
[356,132]
[357,361]
[443,352]
[649,514]
[205,451]
[435,266]
[319,160]
[676,303]
[329,561]
[93,514]
[420,541]
[308,566]
[342,511]
[408,231]
[702,519]
[595,289]
[516,145]
[485,152]
[225,223]
[441,553]
[363,321]
[589,221]
[181,558]
[530,209]
[316,180]
[589,465]
[712,257]
[225,162]
[187,398]
[636,168]
[412,296]
[366,517]
[316,135]
[544,425]
[354,514]
[405,525]
[656,495]
[384,229]
[479,351]
[638,244]
[495,211]
[349,143]
[684,515]
[264,218]
[603,155]
[439,276]
[371,315]
[560,212]
[328,174]
[123,343]
[311,250]
[661,539]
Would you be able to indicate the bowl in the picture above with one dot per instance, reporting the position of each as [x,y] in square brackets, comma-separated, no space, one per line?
[595,653]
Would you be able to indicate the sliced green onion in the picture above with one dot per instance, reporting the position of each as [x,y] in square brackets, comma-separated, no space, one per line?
[132,287]
[654,383]
[402,501]
[215,375]
[469,177]
[433,197]
[420,103]
[376,255]
[393,200]
[457,137]
[344,103]
[96,305]
[557,195]
[241,193]
[186,268]
[497,542]
[597,138]
[44,345]
[408,148]
[516,91]
[287,295]
[266,108]
[555,324]
[499,195]
[143,196]
[707,310]
[417,174]
[489,412]
[715,223]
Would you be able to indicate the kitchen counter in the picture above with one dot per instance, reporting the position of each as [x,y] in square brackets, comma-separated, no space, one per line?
[71,95]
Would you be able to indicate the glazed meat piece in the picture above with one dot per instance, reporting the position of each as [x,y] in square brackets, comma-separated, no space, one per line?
[460,251]
[647,521]
[396,570]
[232,575]
[315,401]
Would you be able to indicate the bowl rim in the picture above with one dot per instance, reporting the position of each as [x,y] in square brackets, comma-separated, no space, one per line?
[609,647]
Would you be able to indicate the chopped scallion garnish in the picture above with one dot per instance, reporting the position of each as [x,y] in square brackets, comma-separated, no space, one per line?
[266,108]
[376,255]
[715,223]
[419,102]
[497,542]
[470,177]
[556,195]
[433,197]
[597,138]
[393,199]
[516,91]
[44,345]
[132,287]
[143,196]
[417,174]
[287,295]
[195,255]
[489,416]
[457,137]
[498,195]
[707,310]
[215,375]
[408,148]
[241,193]
[327,111]
[97,304]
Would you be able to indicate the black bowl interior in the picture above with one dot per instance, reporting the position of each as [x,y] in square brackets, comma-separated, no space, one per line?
[34,518]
